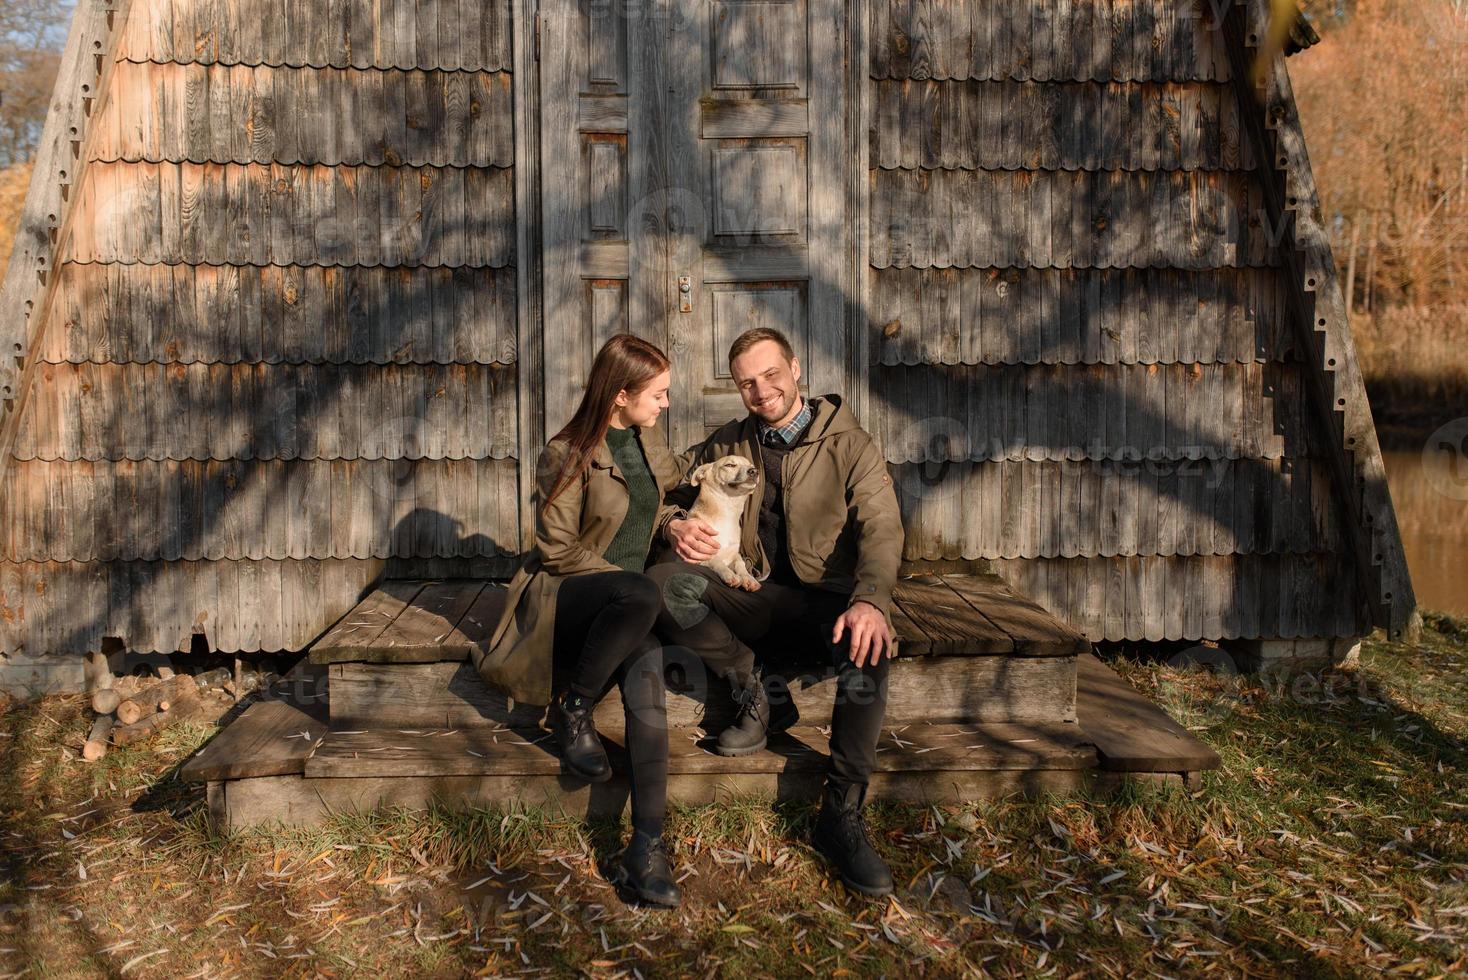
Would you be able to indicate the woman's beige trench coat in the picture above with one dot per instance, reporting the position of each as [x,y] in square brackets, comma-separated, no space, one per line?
[570,538]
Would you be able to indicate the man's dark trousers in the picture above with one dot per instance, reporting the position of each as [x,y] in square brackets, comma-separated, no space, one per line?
[788,623]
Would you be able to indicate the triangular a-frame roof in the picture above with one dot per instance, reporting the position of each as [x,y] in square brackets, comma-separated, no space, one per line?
[265,321]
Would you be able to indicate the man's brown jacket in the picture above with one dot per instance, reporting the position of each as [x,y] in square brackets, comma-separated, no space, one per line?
[842,523]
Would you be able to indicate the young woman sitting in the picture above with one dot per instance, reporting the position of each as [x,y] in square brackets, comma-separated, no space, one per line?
[580,610]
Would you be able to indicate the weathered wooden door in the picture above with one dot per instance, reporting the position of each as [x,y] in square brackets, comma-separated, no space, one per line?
[695,164]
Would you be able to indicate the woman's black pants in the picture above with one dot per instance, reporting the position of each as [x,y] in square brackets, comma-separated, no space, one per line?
[604,633]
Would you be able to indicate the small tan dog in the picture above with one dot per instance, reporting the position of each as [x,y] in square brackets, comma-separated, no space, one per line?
[724,484]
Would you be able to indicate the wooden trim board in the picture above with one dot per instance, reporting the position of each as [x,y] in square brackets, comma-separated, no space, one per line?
[1343,416]
[43,232]
[529,293]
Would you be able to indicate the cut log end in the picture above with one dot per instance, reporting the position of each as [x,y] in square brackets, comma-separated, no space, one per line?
[96,746]
[105,702]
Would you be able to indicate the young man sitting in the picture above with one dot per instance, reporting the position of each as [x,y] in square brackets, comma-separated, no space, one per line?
[823,532]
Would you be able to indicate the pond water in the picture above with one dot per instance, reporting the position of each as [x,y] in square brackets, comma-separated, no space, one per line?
[1429,488]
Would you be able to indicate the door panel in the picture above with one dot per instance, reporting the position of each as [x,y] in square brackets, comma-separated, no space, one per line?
[687,195]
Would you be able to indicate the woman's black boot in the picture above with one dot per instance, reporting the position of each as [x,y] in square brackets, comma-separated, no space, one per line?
[645,871]
[570,721]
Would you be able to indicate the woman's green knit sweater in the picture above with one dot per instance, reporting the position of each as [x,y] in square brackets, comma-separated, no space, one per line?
[630,546]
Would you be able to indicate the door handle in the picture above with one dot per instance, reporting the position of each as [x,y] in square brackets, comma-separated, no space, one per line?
[685,294]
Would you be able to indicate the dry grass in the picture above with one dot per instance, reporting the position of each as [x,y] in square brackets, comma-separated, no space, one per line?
[1331,843]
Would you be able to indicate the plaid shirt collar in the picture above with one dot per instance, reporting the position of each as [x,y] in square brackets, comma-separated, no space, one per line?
[791,431]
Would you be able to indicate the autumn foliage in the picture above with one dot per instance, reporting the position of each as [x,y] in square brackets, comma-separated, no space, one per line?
[13,183]
[1384,101]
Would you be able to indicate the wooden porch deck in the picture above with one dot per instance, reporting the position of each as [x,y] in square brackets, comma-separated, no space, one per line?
[989,695]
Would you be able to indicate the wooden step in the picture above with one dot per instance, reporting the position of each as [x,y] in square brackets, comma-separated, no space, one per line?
[293,801]
[277,763]
[1131,733]
[984,689]
[423,620]
[982,702]
[359,771]
[269,738]
[509,751]
[971,649]
[410,621]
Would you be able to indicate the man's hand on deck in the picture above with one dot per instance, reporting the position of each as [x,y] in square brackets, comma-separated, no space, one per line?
[869,632]
[693,539]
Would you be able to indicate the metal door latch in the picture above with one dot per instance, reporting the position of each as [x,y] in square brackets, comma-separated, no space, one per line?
[685,294]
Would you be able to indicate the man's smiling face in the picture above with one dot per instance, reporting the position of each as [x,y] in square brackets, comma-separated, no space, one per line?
[767,382]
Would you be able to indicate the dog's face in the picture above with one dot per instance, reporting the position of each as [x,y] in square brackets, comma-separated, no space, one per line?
[734,476]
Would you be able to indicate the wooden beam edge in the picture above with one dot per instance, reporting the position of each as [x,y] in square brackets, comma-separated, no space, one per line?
[1357,451]
[1098,688]
[82,80]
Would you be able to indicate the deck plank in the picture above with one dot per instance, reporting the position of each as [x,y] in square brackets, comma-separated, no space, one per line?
[912,641]
[957,627]
[269,738]
[482,617]
[359,629]
[433,615]
[1130,732]
[1035,631]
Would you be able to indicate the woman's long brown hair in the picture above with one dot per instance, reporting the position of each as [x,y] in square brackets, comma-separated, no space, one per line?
[625,361]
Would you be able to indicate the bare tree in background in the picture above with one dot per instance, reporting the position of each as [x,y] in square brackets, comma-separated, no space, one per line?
[1385,106]
[1384,102]
[32,33]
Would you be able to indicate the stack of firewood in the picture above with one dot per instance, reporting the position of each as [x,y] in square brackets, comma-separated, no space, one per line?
[130,709]
[129,718]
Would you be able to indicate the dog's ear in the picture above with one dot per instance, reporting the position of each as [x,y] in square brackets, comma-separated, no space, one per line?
[700,474]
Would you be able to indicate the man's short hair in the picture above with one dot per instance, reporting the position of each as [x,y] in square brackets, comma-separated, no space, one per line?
[756,335]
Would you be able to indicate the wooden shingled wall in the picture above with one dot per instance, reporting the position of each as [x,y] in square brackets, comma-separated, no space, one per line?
[1085,367]
[272,348]
[280,358]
